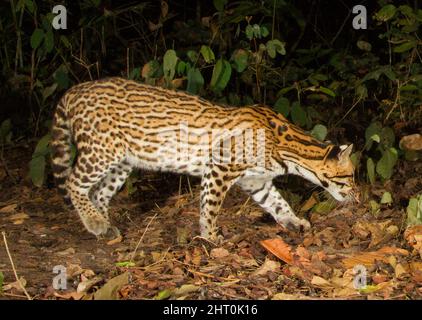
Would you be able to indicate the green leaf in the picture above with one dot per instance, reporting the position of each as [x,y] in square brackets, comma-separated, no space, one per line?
[219,4]
[48,91]
[207,53]
[390,73]
[386,13]
[327,91]
[405,47]
[249,32]
[375,207]
[220,75]
[151,69]
[49,41]
[264,31]
[62,79]
[363,45]
[275,46]
[387,137]
[164,294]
[181,67]
[125,264]
[370,168]
[386,198]
[169,64]
[1,282]
[240,59]
[324,207]
[29,4]
[319,132]
[409,87]
[195,80]
[36,38]
[375,137]
[282,105]
[387,162]
[414,211]
[192,55]
[37,170]
[298,114]
[370,133]
[41,148]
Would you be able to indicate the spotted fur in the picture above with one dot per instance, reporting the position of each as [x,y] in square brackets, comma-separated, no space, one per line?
[118,124]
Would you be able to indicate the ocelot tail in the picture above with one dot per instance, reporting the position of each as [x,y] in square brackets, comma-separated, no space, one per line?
[117,125]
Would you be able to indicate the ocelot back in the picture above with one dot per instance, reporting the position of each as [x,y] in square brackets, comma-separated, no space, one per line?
[118,124]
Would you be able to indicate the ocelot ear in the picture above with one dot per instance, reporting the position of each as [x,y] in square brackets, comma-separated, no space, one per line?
[346,151]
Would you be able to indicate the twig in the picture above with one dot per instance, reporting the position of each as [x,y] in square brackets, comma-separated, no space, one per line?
[142,237]
[13,266]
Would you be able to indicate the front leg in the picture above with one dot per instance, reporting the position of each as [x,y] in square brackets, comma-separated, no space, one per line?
[262,191]
[215,183]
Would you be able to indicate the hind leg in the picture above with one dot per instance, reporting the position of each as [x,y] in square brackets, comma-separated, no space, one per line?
[84,176]
[107,188]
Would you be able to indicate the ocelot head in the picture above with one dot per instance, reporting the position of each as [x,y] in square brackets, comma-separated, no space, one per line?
[324,164]
[337,174]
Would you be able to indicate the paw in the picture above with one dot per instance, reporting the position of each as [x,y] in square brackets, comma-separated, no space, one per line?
[213,237]
[97,225]
[296,224]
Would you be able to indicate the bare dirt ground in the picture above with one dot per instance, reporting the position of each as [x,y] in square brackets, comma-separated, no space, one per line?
[351,252]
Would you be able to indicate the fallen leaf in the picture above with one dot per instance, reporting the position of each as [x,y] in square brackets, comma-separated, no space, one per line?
[411,142]
[9,208]
[185,289]
[399,271]
[17,285]
[84,286]
[413,236]
[163,294]
[69,295]
[115,240]
[18,218]
[278,248]
[321,282]
[287,296]
[68,251]
[369,258]
[268,265]
[110,290]
[218,253]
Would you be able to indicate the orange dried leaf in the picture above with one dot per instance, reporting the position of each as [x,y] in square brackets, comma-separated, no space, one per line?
[369,258]
[278,248]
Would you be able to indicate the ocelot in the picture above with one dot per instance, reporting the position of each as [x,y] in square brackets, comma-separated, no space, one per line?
[118,124]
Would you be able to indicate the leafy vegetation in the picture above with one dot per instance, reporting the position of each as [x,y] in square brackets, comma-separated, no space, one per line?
[307,63]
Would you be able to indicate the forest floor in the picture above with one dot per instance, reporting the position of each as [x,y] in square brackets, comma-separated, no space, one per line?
[351,252]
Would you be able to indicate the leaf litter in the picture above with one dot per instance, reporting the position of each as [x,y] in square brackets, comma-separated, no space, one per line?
[257,260]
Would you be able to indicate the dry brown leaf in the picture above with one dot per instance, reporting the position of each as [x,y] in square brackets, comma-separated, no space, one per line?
[66,252]
[218,253]
[368,258]
[310,203]
[18,218]
[412,142]
[278,248]
[84,286]
[69,295]
[413,236]
[399,271]
[115,241]
[321,282]
[9,208]
[268,265]
[16,285]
